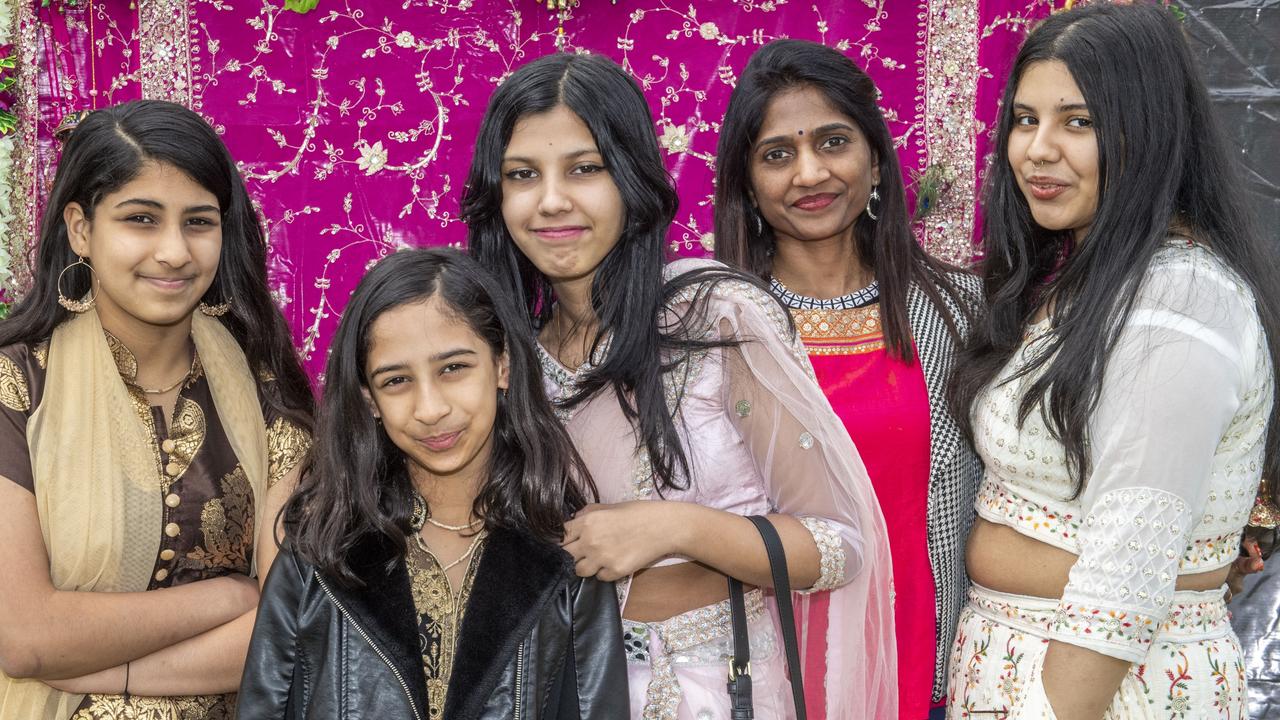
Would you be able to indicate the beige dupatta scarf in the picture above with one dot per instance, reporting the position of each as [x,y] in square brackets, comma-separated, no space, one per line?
[97,477]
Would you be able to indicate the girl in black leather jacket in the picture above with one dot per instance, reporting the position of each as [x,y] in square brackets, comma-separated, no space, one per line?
[423,576]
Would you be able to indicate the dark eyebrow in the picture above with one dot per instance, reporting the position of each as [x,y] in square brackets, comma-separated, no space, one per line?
[822,130]
[160,206]
[445,355]
[831,127]
[140,201]
[1067,107]
[386,368]
[572,156]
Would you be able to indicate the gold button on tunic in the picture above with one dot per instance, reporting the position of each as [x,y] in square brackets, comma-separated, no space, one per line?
[207,528]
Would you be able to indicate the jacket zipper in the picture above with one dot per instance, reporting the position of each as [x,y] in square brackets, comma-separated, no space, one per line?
[378,650]
[519,684]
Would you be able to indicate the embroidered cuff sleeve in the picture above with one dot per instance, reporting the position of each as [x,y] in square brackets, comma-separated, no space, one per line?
[830,553]
[1119,591]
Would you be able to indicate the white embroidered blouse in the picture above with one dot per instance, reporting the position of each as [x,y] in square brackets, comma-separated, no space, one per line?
[1176,447]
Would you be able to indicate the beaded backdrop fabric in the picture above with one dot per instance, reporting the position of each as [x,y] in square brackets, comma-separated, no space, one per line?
[354,123]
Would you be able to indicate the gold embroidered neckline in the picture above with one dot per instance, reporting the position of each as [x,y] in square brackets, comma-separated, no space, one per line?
[127,366]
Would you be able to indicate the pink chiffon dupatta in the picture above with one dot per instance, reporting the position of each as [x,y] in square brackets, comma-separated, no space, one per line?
[811,468]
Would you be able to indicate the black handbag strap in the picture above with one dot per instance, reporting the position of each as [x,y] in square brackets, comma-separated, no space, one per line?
[740,703]
[740,667]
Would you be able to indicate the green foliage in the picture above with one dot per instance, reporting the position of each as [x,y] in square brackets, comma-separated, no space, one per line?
[301,7]
[8,121]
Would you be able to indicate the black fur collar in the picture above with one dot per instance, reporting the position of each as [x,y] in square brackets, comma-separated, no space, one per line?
[383,608]
[517,576]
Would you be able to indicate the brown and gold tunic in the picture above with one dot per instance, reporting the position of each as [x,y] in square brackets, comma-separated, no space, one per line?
[208,506]
[440,612]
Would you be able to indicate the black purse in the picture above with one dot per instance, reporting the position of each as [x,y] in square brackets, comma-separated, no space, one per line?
[740,666]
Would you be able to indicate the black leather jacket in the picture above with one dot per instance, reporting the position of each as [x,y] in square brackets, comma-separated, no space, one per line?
[536,642]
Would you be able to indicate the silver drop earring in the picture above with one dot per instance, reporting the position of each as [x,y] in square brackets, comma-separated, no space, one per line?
[874,197]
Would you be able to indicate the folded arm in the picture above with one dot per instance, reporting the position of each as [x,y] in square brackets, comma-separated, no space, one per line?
[50,634]
[206,664]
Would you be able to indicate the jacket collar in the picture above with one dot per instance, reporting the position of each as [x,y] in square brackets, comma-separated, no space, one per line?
[516,578]
[383,611]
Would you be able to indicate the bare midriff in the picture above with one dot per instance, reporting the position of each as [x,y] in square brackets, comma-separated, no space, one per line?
[663,592]
[1003,559]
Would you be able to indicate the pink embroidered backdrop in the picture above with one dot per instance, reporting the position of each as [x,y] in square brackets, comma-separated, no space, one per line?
[354,123]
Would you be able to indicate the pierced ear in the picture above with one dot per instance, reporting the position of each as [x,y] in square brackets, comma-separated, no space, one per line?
[751,196]
[875,170]
[78,226]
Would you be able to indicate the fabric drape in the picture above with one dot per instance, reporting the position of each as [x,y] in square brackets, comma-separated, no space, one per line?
[97,480]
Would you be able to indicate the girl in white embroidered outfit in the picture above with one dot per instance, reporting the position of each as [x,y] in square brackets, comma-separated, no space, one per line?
[689,398]
[1121,389]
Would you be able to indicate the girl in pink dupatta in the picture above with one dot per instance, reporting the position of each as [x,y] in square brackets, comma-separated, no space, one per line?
[688,395]
[810,199]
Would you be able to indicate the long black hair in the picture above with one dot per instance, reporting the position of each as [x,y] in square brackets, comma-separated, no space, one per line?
[628,294]
[357,483]
[886,245]
[106,151]
[1161,161]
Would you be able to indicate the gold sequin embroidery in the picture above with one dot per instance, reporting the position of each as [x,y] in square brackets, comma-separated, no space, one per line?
[287,444]
[840,332]
[187,432]
[126,363]
[227,525]
[440,614]
[198,707]
[13,386]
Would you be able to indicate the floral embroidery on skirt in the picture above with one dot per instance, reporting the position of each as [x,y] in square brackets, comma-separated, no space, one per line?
[1194,669]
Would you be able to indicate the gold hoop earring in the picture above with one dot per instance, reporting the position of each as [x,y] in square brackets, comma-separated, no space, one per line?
[215,310]
[77,306]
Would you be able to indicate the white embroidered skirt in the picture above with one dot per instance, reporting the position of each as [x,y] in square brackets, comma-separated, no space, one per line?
[1194,669]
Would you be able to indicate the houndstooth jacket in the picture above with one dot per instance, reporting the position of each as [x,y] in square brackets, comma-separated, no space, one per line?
[954,468]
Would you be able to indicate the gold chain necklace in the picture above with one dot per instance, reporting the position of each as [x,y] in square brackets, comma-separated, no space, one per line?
[162,391]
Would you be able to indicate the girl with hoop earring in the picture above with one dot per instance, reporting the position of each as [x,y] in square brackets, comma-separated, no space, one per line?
[153,417]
